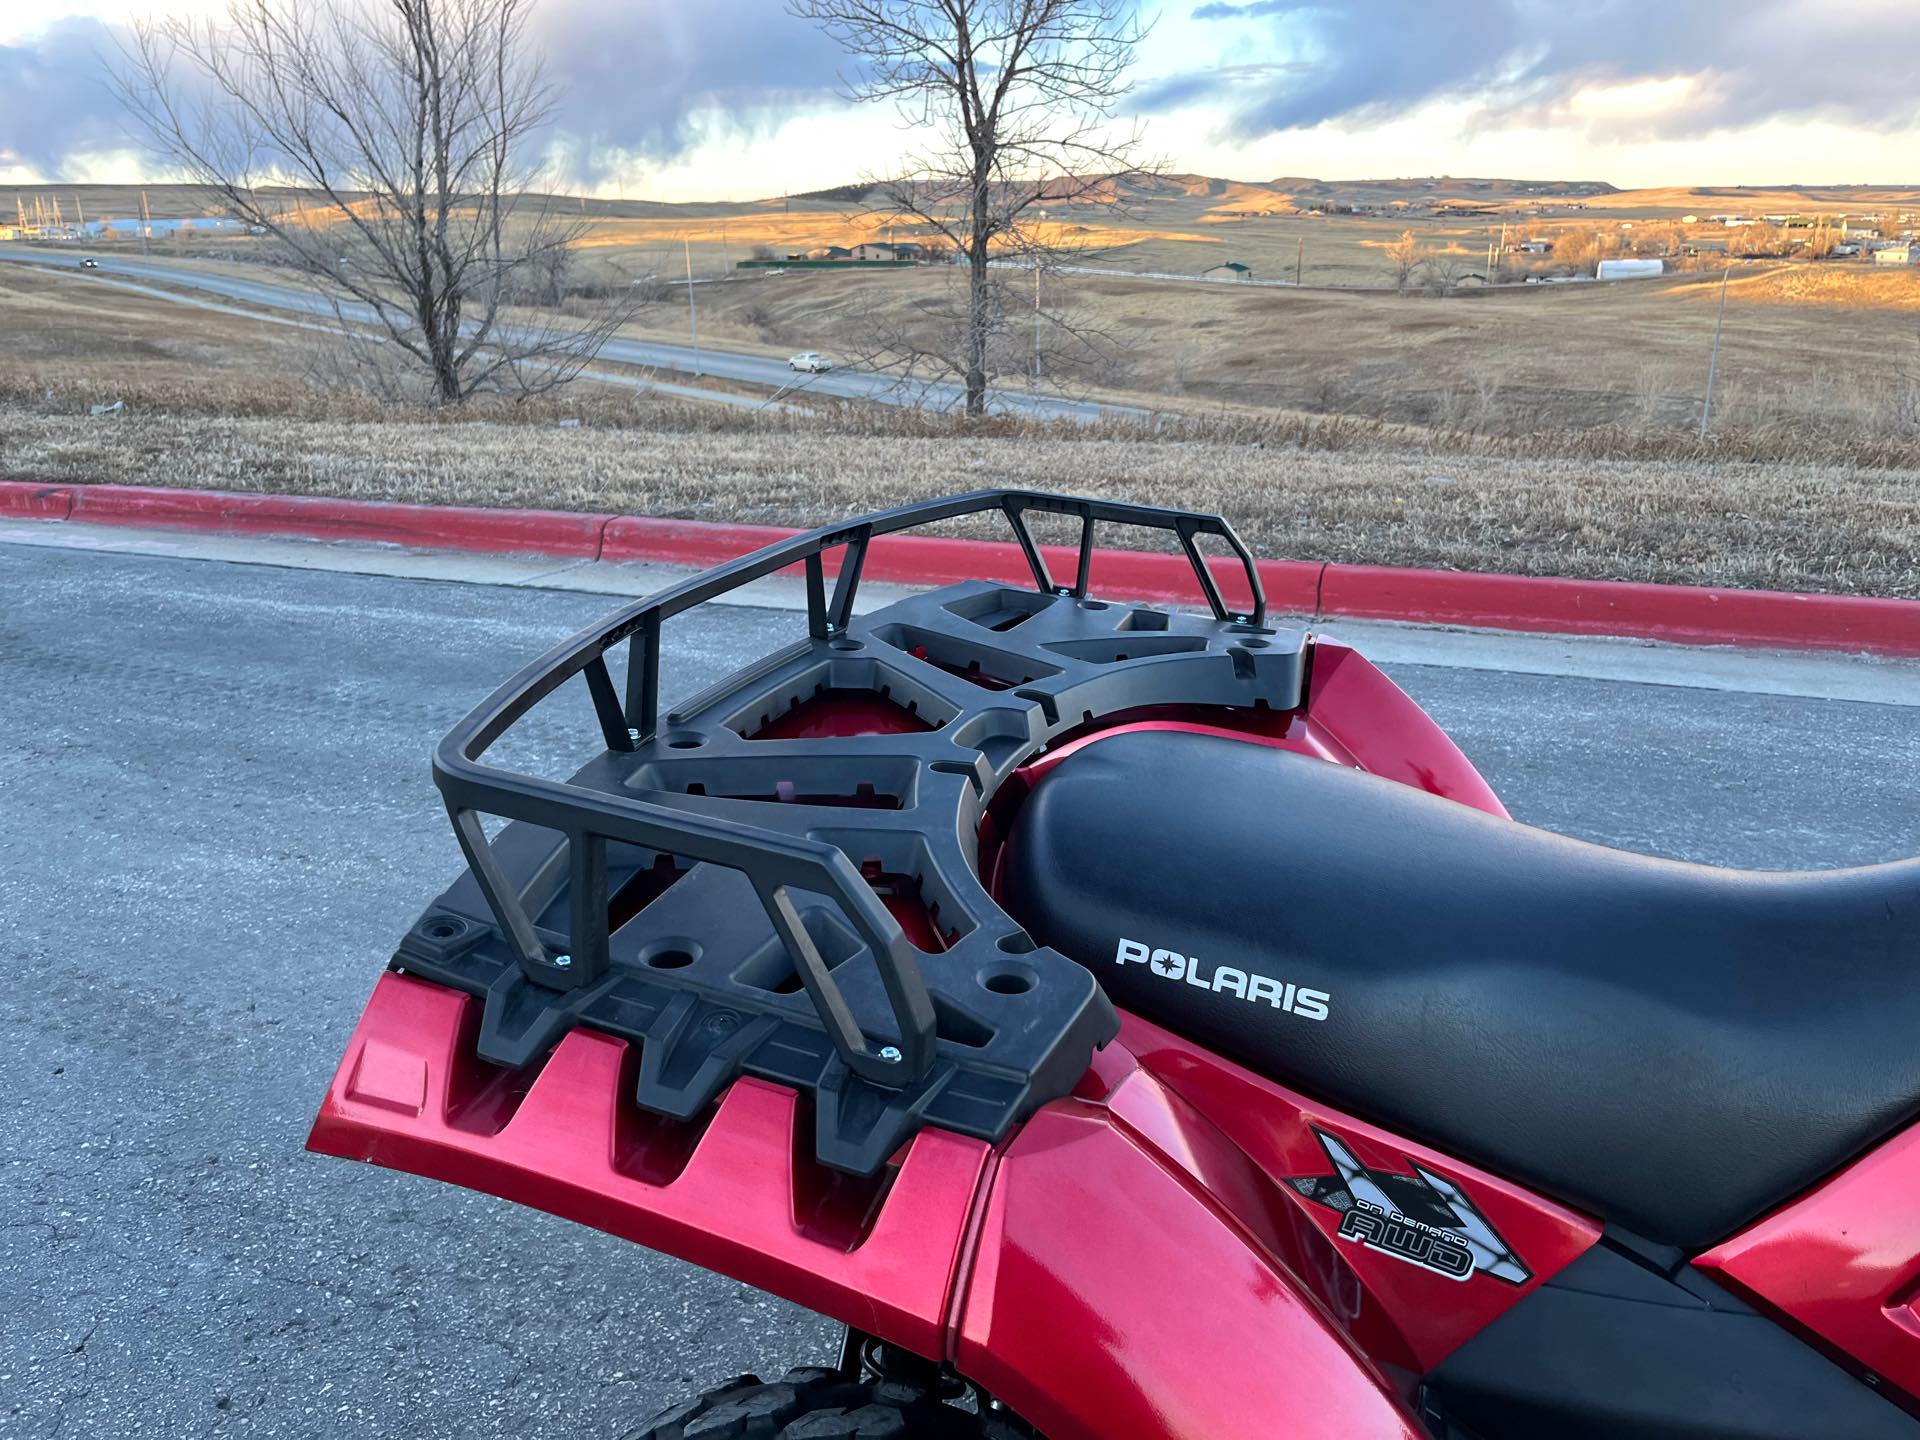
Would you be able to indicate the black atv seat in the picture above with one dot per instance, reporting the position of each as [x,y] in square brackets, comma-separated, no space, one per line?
[1672,1047]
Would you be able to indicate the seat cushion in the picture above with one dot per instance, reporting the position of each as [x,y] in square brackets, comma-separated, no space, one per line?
[1674,1048]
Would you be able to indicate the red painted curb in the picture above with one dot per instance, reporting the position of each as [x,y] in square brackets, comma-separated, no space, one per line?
[450,527]
[1675,613]
[1683,614]
[35,502]
[683,542]
[939,560]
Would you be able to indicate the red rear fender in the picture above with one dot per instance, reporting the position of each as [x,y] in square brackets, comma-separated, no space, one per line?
[1114,1297]
[731,1195]
[1112,1272]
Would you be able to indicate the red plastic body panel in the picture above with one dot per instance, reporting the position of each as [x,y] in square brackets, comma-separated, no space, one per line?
[1115,1299]
[1370,722]
[1843,1261]
[1405,1319]
[731,1197]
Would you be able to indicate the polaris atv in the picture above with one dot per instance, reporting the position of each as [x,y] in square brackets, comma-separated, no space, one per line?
[1133,1023]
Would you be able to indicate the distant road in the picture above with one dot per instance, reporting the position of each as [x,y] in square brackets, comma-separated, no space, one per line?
[721,364]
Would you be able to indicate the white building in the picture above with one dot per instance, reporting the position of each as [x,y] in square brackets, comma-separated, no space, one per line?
[1630,269]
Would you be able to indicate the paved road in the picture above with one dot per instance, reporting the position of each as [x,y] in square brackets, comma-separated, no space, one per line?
[217,816]
[722,364]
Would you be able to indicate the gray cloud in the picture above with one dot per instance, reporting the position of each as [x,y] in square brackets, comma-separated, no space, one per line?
[631,77]
[54,100]
[1760,59]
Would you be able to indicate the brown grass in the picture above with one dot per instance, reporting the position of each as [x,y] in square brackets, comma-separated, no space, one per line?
[1791,525]
[1533,432]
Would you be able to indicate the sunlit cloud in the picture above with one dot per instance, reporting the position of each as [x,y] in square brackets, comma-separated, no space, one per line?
[682,99]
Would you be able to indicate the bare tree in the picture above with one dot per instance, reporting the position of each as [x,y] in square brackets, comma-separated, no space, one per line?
[1404,255]
[1017,100]
[383,144]
[1443,270]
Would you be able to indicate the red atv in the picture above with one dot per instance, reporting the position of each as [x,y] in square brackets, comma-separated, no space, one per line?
[1131,1023]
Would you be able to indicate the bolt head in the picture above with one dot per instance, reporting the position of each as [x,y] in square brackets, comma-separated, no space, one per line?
[561,962]
[890,1054]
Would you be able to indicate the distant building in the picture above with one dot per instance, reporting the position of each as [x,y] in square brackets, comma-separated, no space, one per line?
[1893,255]
[1233,268]
[1633,269]
[887,250]
[161,227]
[825,252]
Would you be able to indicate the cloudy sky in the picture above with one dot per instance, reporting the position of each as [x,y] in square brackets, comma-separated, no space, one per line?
[687,99]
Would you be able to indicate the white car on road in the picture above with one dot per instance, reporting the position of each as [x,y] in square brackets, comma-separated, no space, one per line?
[811,361]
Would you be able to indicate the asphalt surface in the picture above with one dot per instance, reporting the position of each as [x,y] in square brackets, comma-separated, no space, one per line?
[215,817]
[722,364]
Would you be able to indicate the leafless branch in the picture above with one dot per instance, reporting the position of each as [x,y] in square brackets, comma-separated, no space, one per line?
[1018,102]
[380,144]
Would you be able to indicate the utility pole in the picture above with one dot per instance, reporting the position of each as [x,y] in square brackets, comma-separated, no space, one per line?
[693,316]
[1036,322]
[1300,260]
[146,225]
[1713,364]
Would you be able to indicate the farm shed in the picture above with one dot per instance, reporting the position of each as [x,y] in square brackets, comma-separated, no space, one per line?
[1633,269]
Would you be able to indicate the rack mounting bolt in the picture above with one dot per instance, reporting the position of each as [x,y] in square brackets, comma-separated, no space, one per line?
[561,962]
[633,735]
[890,1054]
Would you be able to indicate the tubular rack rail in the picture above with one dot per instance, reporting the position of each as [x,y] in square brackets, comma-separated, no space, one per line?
[711,884]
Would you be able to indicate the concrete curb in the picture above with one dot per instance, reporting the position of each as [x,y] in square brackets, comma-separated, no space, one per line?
[1680,614]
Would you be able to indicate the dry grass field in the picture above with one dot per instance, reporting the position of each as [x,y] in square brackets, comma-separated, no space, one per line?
[1179,224]
[1782,524]
[1831,347]
[1837,349]
[1537,428]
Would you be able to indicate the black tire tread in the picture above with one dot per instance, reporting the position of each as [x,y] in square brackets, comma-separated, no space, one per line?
[812,1403]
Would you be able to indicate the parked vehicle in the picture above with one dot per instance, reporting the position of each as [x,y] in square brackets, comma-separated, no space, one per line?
[1142,1025]
[811,361]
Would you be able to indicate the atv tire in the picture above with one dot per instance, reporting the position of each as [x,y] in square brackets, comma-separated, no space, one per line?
[820,1404]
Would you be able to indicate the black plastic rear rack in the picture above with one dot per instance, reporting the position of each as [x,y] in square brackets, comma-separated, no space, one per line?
[714,894]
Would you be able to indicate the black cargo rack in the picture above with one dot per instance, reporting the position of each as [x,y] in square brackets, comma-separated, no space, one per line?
[715,895]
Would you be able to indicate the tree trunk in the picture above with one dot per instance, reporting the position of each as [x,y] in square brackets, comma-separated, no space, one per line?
[978,324]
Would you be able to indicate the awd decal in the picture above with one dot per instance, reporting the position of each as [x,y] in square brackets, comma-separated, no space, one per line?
[1225,980]
[1423,1219]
